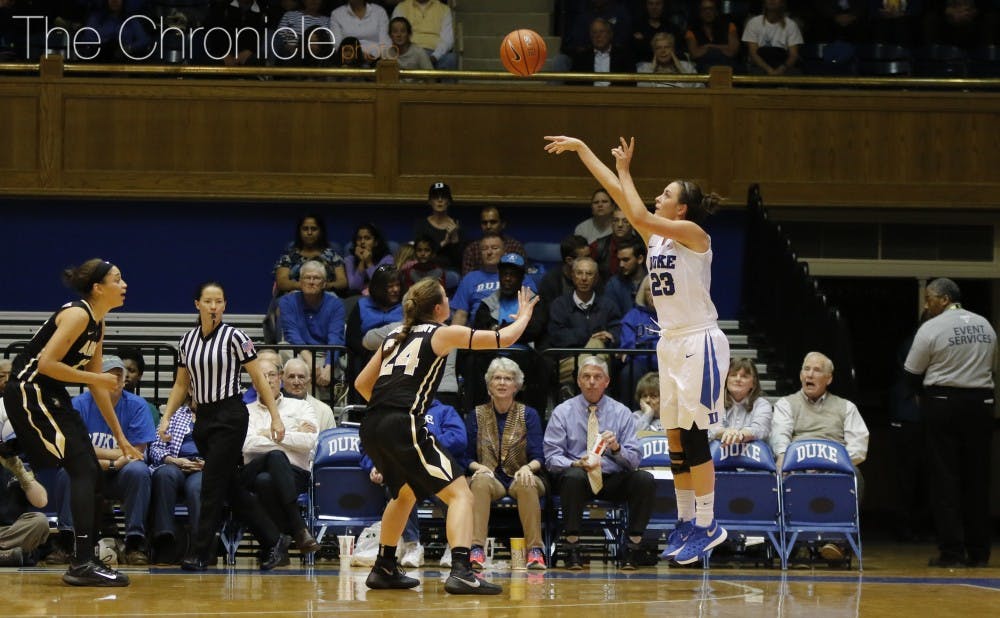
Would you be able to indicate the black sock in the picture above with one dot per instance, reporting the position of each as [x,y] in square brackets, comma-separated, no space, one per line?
[387,556]
[460,560]
[84,549]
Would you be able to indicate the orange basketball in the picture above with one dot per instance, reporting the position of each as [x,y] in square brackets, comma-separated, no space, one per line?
[523,52]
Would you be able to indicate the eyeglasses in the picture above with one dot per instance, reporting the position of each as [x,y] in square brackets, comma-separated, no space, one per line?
[502,379]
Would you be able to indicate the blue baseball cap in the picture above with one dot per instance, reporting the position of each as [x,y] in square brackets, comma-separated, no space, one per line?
[513,259]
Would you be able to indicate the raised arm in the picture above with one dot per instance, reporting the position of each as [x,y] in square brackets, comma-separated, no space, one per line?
[450,338]
[559,144]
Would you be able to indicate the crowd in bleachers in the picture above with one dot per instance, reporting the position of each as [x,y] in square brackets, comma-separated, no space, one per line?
[766,37]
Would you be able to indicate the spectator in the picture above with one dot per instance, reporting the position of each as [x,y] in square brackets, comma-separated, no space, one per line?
[478,284]
[624,287]
[408,56]
[953,356]
[956,22]
[310,244]
[748,413]
[425,266]
[639,331]
[313,317]
[598,225]
[653,20]
[440,226]
[368,252]
[366,21]
[296,380]
[604,250]
[814,412]
[559,281]
[448,429]
[895,22]
[773,40]
[572,431]
[840,20]
[602,56]
[647,393]
[379,308]
[490,221]
[614,14]
[124,479]
[318,54]
[176,467]
[22,530]
[505,457]
[713,38]
[432,29]
[278,471]
[296,24]
[122,39]
[235,33]
[583,318]
[665,61]
[135,367]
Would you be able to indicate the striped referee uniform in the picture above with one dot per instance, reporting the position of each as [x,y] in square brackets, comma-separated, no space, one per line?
[214,363]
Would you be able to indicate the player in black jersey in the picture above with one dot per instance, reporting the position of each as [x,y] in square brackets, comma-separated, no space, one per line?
[399,383]
[67,349]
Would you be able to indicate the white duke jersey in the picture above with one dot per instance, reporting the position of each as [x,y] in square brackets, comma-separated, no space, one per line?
[680,280]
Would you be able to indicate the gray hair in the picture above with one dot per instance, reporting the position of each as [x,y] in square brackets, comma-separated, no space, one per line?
[314,265]
[502,363]
[945,287]
[595,361]
[827,363]
[294,362]
[585,260]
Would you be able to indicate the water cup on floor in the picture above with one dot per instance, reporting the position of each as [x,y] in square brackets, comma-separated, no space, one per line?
[518,560]
[346,547]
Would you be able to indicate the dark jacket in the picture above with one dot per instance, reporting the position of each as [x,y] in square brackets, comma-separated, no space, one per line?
[571,327]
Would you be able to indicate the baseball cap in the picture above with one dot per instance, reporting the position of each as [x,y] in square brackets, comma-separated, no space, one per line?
[112,362]
[512,259]
[439,188]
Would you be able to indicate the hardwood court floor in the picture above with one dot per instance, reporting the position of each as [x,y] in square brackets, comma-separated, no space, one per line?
[894,583]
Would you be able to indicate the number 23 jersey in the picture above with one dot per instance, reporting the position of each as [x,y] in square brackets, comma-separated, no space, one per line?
[410,373]
[680,280]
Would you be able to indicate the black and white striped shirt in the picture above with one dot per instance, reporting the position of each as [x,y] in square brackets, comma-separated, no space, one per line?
[215,362]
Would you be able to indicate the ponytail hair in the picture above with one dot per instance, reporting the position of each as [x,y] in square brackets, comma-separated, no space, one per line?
[699,205]
[418,305]
[82,278]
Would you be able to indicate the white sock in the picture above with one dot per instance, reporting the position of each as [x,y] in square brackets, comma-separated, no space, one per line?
[685,504]
[704,507]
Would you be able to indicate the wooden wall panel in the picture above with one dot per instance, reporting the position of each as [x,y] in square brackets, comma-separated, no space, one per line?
[19,120]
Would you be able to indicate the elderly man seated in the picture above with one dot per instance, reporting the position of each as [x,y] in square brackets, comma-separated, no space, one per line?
[296,382]
[573,429]
[815,412]
[312,316]
[279,471]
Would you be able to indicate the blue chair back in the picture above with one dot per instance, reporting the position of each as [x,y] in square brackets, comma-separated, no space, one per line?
[819,455]
[656,454]
[343,495]
[754,455]
[339,446]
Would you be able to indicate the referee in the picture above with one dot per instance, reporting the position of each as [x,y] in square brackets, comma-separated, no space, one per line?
[953,354]
[211,357]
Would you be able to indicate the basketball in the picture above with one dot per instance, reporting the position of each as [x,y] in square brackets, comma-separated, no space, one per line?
[523,52]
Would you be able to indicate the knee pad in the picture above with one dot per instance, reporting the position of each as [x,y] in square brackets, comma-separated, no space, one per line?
[678,465]
[695,445]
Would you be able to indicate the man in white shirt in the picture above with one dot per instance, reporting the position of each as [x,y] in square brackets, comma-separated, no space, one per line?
[296,380]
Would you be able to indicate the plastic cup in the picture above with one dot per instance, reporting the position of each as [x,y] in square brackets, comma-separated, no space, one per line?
[517,554]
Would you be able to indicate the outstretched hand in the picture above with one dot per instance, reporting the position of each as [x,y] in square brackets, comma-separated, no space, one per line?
[559,144]
[623,154]
[526,301]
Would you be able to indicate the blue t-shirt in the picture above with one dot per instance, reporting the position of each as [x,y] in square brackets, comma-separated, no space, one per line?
[476,286]
[133,415]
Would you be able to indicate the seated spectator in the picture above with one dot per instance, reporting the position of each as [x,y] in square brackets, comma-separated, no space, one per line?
[840,20]
[235,33]
[490,220]
[748,413]
[176,467]
[296,380]
[639,331]
[22,530]
[379,308]
[447,427]
[647,393]
[604,250]
[124,479]
[366,21]
[958,23]
[773,40]
[602,56]
[624,286]
[432,29]
[713,38]
[478,284]
[317,55]
[496,311]
[583,319]
[310,244]
[440,226]
[598,225]
[665,61]
[653,20]
[313,317]
[296,24]
[122,39]
[505,457]
[135,367]
[426,265]
[814,412]
[895,22]
[408,55]
[559,281]
[369,251]
[613,12]
[279,471]
[573,429]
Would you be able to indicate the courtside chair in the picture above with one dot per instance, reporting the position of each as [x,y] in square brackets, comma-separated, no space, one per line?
[656,461]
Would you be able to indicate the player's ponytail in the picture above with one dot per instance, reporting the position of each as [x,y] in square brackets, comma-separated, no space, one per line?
[83,277]
[699,205]
[418,305]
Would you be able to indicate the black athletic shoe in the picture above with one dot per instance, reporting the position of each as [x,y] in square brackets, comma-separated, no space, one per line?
[94,573]
[573,559]
[382,578]
[194,563]
[278,554]
[470,584]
